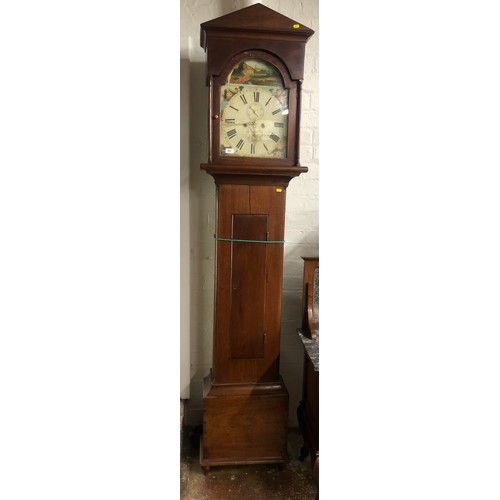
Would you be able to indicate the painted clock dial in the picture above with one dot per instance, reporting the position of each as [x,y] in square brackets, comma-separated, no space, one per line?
[254,112]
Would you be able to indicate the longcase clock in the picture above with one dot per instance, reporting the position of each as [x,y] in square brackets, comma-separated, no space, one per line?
[255,66]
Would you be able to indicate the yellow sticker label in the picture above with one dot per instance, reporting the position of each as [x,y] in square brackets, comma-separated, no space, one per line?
[279,190]
[296,26]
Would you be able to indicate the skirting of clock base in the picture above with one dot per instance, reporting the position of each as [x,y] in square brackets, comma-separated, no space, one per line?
[244,424]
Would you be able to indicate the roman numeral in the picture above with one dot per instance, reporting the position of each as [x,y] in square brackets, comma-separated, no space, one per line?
[276,111]
[268,101]
[231,133]
[236,109]
[274,137]
[230,120]
[278,125]
[243,98]
[264,144]
[256,96]
[252,148]
[240,144]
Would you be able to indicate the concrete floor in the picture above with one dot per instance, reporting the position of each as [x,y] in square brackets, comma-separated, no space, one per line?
[245,482]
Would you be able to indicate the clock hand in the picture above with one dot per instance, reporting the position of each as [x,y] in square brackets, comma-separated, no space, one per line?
[254,112]
[251,122]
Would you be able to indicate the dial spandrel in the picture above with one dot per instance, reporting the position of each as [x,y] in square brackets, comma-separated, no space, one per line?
[254,112]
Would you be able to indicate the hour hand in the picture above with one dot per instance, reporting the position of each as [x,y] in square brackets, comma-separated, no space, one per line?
[254,112]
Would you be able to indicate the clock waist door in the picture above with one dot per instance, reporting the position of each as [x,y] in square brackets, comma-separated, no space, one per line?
[249,283]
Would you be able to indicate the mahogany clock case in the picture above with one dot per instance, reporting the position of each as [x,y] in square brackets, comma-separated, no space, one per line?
[245,414]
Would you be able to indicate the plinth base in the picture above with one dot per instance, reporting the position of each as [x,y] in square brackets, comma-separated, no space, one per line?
[244,424]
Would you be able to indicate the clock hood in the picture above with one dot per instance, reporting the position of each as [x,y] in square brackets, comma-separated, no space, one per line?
[256,18]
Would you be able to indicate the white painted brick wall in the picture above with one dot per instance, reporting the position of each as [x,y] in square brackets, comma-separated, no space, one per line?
[301,223]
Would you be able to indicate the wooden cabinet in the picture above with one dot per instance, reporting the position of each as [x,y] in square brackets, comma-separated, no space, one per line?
[308,410]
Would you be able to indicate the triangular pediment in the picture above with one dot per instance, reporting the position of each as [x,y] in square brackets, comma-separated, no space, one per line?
[257,17]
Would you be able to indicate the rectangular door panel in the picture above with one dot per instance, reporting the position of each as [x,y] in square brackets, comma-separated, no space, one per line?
[248,286]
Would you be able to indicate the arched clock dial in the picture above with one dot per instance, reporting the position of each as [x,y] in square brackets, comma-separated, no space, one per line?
[254,121]
[254,112]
